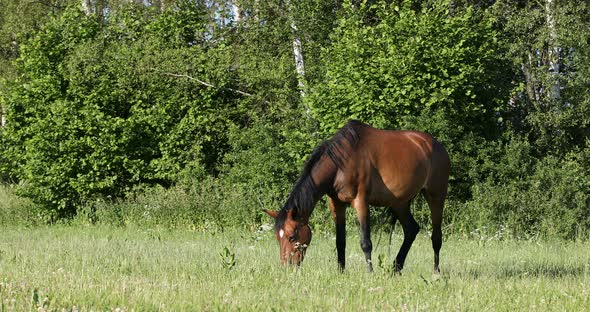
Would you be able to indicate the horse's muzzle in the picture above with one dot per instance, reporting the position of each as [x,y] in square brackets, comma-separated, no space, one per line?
[296,255]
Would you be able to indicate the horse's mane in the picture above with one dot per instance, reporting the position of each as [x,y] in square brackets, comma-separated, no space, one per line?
[304,194]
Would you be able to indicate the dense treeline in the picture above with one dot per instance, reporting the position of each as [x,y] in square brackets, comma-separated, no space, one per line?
[141,103]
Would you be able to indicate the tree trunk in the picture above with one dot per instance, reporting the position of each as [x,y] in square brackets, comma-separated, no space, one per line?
[89,7]
[553,52]
[299,64]
[528,69]
[235,7]
[297,52]
[95,7]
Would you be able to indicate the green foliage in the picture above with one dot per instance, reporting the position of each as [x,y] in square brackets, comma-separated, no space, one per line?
[15,210]
[179,115]
[409,63]
[17,19]
[554,122]
[529,197]
[267,156]
[432,70]
[95,117]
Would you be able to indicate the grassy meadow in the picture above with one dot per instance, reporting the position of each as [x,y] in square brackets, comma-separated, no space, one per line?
[103,268]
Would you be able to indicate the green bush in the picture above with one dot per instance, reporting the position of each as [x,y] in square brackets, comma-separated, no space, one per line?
[406,63]
[183,118]
[208,205]
[430,70]
[98,108]
[552,199]
[16,210]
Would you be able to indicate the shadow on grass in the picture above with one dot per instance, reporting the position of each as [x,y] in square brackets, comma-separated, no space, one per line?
[526,269]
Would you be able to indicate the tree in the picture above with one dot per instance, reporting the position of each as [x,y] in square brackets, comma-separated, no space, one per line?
[19,18]
[412,63]
[297,49]
[549,49]
[103,106]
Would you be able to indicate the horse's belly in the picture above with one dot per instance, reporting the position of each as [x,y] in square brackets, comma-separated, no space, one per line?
[392,193]
[383,196]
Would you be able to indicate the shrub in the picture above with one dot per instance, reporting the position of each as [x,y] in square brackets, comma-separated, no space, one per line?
[208,205]
[553,199]
[16,210]
[98,109]
[405,62]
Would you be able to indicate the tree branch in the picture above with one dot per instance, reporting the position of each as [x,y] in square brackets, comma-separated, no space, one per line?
[48,4]
[206,83]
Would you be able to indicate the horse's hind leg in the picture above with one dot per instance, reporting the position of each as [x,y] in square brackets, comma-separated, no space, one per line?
[411,229]
[436,204]
[363,214]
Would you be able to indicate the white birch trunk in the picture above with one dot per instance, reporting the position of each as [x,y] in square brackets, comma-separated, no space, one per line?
[89,7]
[299,64]
[553,51]
[297,53]
[2,118]
[160,4]
[235,7]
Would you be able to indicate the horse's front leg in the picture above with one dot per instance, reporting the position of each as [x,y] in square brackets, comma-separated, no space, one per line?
[363,214]
[338,210]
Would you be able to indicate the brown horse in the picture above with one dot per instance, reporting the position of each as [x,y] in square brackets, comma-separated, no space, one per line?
[365,166]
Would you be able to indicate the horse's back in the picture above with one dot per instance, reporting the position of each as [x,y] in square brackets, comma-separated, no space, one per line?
[402,163]
[406,147]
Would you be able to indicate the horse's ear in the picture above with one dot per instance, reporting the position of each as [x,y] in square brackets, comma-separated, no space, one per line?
[271,213]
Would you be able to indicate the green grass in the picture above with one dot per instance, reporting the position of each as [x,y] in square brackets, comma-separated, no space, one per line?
[141,269]
[14,209]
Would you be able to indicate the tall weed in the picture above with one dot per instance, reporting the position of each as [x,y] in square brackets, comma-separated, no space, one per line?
[16,210]
[551,200]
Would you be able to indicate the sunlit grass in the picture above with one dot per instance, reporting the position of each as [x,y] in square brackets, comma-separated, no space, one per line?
[141,269]
[14,209]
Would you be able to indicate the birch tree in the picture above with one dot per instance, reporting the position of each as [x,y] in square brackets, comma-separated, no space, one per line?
[553,51]
[298,55]
[548,41]
[237,11]
[88,7]
[297,50]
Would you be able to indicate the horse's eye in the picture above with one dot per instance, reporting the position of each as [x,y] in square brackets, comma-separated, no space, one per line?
[292,238]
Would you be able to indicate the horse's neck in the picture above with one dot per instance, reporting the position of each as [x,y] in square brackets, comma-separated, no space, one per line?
[323,176]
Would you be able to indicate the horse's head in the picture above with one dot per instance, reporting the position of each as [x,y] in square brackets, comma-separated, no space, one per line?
[294,236]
